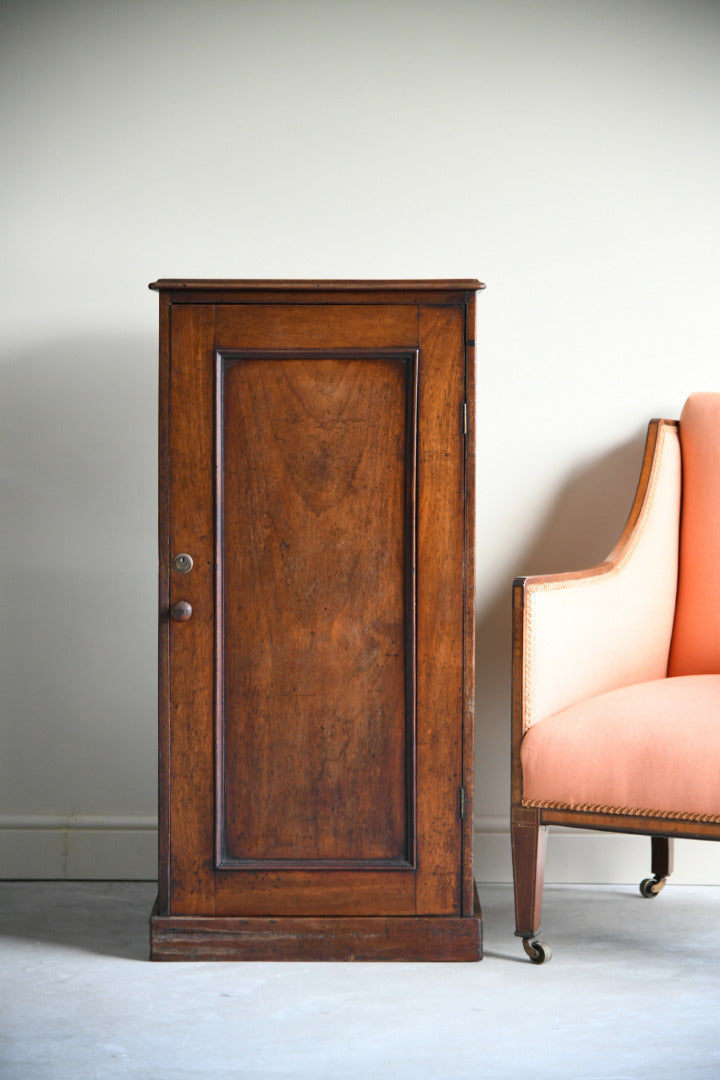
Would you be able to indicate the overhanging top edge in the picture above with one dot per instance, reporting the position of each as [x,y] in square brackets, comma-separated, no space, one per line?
[302,285]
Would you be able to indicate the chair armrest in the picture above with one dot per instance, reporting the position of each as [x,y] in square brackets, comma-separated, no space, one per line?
[583,633]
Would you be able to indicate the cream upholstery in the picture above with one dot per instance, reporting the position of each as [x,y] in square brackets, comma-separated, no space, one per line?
[584,635]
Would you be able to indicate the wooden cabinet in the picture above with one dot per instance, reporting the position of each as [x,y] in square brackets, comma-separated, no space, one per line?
[316,620]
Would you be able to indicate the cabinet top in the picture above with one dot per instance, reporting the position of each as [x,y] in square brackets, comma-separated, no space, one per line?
[307,286]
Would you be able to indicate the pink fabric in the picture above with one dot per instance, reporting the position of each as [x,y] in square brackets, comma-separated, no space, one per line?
[695,645]
[652,746]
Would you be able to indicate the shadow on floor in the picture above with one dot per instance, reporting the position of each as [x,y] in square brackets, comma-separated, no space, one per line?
[110,919]
[105,918]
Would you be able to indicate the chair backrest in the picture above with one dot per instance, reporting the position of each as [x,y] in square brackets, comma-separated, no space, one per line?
[695,648]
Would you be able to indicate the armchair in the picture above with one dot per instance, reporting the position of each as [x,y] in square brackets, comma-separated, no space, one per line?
[616,674]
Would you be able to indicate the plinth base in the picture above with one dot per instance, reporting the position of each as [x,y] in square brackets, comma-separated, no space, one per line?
[410,938]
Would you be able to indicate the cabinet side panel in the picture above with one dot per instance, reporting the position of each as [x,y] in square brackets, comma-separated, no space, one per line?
[440,608]
[163,594]
[468,888]
[317,712]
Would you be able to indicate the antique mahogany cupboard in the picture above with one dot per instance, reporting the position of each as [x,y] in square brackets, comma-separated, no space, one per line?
[316,621]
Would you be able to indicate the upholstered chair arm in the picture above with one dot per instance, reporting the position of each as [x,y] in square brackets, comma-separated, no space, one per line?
[583,633]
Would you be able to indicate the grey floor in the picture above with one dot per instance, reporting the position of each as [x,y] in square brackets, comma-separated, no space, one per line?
[633,990]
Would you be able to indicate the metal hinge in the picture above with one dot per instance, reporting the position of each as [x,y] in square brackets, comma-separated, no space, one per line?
[462,796]
[465,418]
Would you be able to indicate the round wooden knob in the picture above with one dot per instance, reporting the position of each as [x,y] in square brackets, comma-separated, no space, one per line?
[181,611]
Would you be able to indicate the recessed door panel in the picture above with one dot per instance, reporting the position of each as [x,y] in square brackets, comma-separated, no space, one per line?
[316,544]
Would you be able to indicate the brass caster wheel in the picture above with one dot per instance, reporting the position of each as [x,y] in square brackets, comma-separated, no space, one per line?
[651,886]
[538,951]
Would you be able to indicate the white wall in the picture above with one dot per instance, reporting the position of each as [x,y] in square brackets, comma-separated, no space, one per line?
[565,152]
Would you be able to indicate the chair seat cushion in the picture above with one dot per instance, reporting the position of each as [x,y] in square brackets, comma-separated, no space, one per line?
[653,747]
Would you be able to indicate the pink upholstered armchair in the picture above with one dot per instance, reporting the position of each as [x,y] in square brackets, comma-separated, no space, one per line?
[616,673]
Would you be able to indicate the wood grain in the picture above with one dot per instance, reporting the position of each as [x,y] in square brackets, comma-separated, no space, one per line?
[316,708]
[440,608]
[164,557]
[191,644]
[332,327]
[469,898]
[316,501]
[344,939]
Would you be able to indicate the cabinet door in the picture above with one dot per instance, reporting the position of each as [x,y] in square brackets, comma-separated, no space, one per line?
[313,748]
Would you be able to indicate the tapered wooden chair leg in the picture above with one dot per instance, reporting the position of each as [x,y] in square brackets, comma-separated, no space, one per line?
[661,866]
[529,841]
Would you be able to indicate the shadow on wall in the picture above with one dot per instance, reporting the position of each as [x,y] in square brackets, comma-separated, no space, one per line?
[582,525]
[78,509]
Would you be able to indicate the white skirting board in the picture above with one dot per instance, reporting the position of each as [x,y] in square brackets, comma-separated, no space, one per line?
[88,847]
[124,848]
